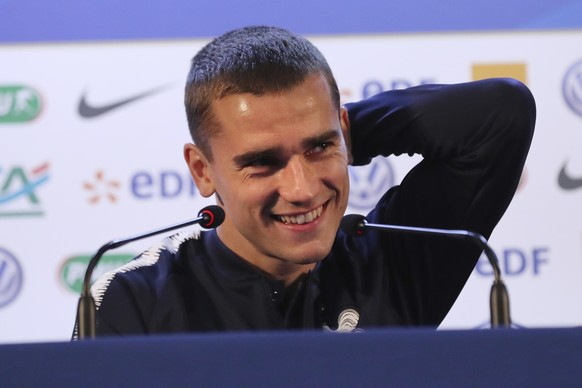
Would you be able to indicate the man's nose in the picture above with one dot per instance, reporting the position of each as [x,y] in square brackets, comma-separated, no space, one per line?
[298,183]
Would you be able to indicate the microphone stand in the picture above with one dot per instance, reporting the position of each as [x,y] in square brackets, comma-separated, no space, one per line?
[499,297]
[210,217]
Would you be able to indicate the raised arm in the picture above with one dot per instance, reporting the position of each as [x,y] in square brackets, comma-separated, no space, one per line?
[474,138]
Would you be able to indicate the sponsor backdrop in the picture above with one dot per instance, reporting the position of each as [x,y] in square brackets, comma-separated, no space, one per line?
[91,136]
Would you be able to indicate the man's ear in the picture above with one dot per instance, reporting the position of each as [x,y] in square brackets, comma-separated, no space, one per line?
[345,124]
[199,169]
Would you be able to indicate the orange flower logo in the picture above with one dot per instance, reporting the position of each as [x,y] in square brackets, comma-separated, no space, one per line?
[102,188]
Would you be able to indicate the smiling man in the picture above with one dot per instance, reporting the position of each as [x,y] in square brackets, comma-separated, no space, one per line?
[273,145]
[278,165]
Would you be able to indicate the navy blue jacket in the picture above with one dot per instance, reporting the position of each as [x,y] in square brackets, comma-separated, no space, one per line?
[474,138]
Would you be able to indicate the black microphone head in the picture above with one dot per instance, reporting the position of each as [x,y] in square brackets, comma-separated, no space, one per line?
[213,216]
[353,224]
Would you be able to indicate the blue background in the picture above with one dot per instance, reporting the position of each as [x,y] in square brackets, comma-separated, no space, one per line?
[82,20]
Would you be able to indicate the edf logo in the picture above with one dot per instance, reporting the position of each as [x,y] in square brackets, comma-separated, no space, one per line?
[10,278]
[572,87]
[143,185]
[516,262]
[373,87]
[369,183]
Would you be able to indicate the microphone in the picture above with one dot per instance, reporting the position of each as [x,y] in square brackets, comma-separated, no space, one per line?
[209,217]
[357,225]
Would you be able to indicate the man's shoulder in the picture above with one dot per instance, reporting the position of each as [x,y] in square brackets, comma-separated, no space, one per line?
[151,268]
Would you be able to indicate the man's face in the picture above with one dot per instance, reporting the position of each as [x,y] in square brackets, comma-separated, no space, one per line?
[280,168]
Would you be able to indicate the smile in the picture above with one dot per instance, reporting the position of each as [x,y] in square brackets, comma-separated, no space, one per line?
[301,218]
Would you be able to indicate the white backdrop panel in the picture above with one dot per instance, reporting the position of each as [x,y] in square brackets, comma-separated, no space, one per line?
[122,173]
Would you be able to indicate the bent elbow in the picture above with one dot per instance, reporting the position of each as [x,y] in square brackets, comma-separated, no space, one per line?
[518,104]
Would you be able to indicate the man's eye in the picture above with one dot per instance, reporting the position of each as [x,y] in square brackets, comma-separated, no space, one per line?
[319,148]
[266,162]
[324,146]
[260,162]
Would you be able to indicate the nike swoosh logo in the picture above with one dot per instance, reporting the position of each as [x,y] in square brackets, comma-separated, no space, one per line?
[566,182]
[89,111]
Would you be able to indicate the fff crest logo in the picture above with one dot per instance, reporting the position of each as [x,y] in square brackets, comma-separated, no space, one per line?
[18,104]
[369,183]
[19,190]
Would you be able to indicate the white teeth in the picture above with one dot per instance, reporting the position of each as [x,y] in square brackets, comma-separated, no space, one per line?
[302,218]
